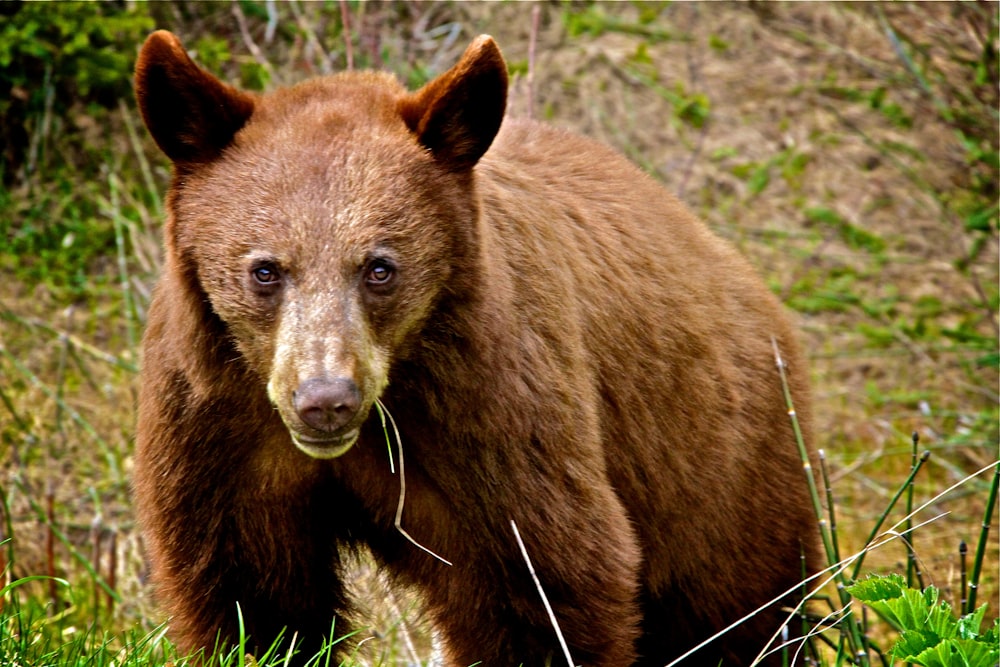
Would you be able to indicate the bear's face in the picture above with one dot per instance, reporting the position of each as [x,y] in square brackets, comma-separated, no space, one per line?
[323,246]
[323,222]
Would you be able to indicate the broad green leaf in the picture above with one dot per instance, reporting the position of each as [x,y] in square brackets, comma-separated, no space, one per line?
[958,653]
[914,642]
[872,589]
[992,634]
[968,626]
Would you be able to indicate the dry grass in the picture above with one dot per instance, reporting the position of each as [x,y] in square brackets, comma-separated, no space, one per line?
[776,81]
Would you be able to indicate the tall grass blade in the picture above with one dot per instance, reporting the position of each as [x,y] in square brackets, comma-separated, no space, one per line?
[912,566]
[963,552]
[977,564]
[77,342]
[402,487]
[541,593]
[128,309]
[388,443]
[854,633]
[152,189]
[109,454]
[830,506]
[35,577]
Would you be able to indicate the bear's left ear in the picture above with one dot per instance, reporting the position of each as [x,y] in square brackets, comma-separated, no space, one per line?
[458,114]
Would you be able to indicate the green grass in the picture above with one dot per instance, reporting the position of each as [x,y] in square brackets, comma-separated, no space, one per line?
[36,631]
[48,620]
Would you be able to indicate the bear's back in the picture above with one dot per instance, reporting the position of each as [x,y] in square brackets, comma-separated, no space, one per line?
[609,234]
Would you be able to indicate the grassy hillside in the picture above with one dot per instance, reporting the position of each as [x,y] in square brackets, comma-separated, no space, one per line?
[851,151]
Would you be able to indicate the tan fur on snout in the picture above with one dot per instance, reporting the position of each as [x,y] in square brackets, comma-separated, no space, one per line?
[315,339]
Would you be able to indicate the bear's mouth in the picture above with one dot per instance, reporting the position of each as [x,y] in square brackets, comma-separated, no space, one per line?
[325,448]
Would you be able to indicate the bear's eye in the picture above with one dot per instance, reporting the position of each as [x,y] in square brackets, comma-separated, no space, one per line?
[380,272]
[266,275]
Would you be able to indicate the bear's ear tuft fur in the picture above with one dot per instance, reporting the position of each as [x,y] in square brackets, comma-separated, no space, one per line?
[457,115]
[192,115]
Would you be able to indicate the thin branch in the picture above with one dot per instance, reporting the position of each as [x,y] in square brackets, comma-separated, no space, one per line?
[258,55]
[536,13]
[345,25]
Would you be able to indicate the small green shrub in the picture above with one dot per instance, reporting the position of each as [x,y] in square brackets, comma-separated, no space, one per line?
[930,633]
[64,70]
[57,55]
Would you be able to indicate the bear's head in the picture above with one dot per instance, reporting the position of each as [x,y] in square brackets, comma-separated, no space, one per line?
[322,224]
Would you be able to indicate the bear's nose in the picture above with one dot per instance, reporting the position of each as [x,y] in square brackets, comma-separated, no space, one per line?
[326,404]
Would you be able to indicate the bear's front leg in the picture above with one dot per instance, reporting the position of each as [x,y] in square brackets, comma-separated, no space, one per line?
[273,566]
[226,524]
[587,562]
[295,598]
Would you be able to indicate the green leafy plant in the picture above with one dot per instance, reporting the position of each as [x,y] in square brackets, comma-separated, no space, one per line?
[931,634]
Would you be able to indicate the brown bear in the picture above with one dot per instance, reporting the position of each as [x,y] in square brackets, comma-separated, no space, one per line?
[559,342]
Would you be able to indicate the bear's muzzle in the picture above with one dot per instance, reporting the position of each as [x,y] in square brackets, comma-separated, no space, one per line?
[325,407]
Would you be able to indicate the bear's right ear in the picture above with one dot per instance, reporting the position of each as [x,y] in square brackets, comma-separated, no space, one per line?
[457,115]
[192,115]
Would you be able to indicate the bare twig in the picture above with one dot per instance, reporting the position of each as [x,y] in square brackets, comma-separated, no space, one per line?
[251,45]
[345,25]
[272,21]
[112,579]
[311,38]
[536,13]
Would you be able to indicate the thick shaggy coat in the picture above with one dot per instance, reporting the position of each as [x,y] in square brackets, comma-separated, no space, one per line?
[560,342]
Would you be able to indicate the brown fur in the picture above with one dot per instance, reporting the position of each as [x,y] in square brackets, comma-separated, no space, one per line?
[560,342]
